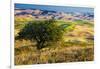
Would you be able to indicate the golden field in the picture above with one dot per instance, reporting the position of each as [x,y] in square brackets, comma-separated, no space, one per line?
[78,45]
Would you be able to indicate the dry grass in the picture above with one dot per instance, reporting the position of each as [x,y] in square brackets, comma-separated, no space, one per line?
[54,54]
[75,48]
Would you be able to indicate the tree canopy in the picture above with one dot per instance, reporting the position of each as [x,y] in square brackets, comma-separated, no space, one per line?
[43,31]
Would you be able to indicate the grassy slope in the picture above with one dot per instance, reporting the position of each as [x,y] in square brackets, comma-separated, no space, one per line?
[75,48]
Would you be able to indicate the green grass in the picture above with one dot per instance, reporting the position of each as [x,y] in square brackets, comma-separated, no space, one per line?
[81,22]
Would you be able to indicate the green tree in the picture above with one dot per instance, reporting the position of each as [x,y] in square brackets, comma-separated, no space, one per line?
[42,31]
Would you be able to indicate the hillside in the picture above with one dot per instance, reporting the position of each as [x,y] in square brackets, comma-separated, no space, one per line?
[77,45]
